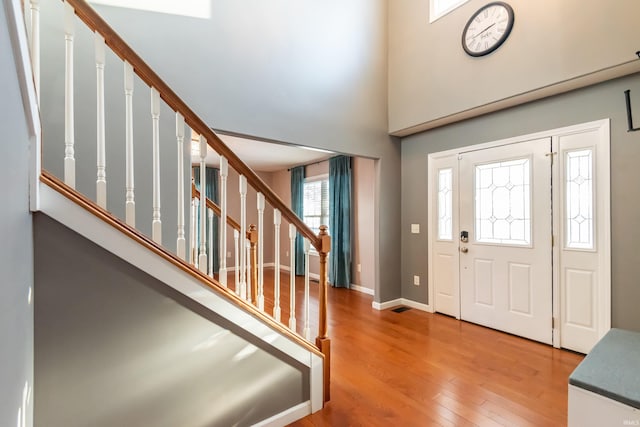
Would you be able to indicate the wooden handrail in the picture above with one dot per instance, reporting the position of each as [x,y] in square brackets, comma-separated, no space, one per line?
[88,205]
[95,22]
[212,205]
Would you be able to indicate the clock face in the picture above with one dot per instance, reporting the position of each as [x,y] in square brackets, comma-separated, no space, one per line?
[487,29]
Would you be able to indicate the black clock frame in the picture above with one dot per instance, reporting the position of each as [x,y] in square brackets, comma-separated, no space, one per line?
[510,20]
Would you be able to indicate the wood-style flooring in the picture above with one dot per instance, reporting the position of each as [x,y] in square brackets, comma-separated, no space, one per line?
[420,369]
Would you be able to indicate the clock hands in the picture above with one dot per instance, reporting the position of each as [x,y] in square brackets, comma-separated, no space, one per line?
[483,31]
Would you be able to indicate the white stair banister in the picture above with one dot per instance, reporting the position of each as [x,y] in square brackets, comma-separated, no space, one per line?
[211,242]
[180,242]
[243,236]
[307,330]
[224,173]
[247,250]
[202,258]
[192,231]
[69,133]
[156,225]
[292,277]
[277,219]
[101,158]
[236,238]
[35,43]
[130,204]
[196,232]
[260,203]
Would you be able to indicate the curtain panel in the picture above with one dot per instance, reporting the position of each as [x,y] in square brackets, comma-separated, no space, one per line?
[297,205]
[340,221]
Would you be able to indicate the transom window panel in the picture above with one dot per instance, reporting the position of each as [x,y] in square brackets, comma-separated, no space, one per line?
[316,203]
[579,199]
[445,202]
[503,202]
[439,8]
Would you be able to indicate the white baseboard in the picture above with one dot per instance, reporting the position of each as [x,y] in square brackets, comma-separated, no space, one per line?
[362,289]
[387,304]
[402,301]
[287,417]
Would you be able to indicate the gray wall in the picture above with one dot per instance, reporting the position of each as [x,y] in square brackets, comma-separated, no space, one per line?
[301,72]
[16,251]
[605,100]
[431,77]
[116,347]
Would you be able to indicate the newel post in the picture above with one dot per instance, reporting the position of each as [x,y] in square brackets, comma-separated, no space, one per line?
[322,341]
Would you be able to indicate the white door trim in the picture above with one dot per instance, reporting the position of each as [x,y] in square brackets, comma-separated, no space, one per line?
[603,230]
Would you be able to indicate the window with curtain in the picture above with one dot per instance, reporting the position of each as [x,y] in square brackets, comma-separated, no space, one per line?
[316,202]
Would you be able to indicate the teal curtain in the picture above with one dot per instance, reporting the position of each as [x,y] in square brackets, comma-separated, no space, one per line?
[297,205]
[211,190]
[340,221]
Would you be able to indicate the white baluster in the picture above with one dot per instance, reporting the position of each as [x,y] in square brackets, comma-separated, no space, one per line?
[276,269]
[210,258]
[307,330]
[260,251]
[194,244]
[202,260]
[69,137]
[247,250]
[101,179]
[192,231]
[180,242]
[35,44]
[243,236]
[224,173]
[130,204]
[156,225]
[292,277]
[236,238]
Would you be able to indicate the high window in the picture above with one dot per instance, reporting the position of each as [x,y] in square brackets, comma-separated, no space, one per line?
[316,202]
[439,8]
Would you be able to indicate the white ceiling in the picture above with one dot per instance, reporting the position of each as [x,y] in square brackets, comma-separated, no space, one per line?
[265,156]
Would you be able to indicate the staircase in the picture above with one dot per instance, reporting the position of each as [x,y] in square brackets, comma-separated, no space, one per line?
[114,174]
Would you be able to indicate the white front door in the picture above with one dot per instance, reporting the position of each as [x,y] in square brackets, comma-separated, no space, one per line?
[510,197]
[505,236]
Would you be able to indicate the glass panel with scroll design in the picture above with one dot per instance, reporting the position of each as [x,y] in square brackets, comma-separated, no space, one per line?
[503,202]
[579,199]
[445,199]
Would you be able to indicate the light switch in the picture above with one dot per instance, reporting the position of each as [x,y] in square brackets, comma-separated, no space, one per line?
[415,228]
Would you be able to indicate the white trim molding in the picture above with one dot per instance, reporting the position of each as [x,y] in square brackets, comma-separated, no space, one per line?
[402,301]
[362,289]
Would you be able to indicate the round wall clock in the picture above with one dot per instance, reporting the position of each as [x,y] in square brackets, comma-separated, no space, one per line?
[487,29]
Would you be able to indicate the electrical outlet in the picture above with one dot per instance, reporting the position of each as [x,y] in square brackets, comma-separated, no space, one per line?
[359,268]
[415,228]
[286,253]
[228,254]
[416,280]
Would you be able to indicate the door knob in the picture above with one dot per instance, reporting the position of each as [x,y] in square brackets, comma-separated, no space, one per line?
[464,250]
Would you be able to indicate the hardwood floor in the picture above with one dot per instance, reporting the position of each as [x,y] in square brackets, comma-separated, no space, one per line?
[420,369]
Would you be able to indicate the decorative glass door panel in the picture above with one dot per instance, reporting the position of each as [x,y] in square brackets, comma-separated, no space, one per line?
[503,202]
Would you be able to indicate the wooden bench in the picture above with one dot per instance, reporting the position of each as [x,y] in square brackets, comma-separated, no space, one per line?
[604,390]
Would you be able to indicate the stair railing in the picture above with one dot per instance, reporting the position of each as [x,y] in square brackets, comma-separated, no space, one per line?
[249,267]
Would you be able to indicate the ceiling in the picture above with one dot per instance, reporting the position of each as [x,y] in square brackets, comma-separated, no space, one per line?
[264,156]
